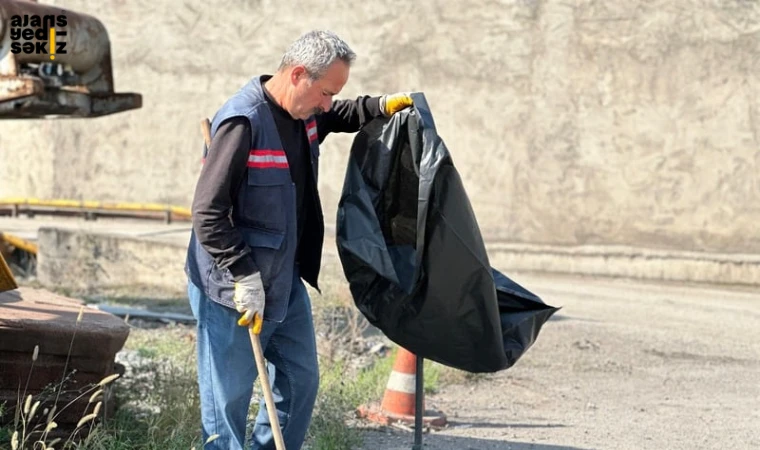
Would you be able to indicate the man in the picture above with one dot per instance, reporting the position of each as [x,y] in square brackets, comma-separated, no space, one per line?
[258,229]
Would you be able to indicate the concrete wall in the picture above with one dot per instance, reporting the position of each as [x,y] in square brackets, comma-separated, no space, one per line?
[88,262]
[573,123]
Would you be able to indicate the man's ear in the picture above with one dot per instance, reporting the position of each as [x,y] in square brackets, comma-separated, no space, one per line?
[297,73]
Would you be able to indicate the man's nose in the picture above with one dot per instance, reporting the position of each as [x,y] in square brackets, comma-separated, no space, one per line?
[326,103]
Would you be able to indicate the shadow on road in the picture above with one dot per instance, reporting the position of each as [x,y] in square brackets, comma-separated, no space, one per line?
[456,425]
[397,441]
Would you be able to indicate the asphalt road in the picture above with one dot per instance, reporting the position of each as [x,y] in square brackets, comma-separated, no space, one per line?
[624,365]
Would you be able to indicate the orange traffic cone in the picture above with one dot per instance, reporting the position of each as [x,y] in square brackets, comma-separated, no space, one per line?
[398,403]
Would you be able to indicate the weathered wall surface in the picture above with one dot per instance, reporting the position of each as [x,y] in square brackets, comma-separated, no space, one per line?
[87,261]
[572,122]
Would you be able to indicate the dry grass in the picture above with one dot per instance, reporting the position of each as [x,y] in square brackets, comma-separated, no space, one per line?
[158,406]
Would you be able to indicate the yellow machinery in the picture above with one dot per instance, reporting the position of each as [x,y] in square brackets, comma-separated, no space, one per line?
[7,282]
[55,62]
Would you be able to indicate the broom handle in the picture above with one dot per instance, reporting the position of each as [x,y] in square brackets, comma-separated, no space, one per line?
[206,131]
[267,388]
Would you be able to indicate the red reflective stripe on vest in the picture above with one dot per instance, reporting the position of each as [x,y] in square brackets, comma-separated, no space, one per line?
[262,152]
[311,130]
[268,165]
[265,159]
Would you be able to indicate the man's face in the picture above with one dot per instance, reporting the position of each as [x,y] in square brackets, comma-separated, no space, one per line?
[315,96]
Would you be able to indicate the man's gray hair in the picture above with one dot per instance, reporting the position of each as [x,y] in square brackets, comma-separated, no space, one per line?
[316,50]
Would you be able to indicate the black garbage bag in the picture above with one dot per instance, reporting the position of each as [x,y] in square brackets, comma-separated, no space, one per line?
[413,255]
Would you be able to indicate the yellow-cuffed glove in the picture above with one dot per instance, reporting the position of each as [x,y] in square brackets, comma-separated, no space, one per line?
[392,103]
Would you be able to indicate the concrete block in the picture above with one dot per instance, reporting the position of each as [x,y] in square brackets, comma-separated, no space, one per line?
[89,261]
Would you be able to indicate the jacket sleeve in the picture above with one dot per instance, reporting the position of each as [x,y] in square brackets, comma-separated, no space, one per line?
[348,116]
[222,175]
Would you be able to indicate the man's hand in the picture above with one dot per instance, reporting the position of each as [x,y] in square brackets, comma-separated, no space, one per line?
[392,103]
[249,298]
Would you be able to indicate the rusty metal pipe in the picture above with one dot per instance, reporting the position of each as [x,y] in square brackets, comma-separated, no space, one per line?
[86,40]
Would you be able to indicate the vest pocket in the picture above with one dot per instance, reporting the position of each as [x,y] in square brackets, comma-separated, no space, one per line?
[265,246]
[266,199]
[263,238]
[265,251]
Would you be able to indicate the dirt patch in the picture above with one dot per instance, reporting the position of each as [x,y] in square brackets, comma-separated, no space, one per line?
[623,365]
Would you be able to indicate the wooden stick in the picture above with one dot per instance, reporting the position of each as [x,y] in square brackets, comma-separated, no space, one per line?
[258,353]
[206,131]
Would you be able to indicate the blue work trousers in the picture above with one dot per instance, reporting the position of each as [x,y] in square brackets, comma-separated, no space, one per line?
[227,370]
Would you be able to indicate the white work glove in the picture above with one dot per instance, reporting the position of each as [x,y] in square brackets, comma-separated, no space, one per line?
[249,298]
